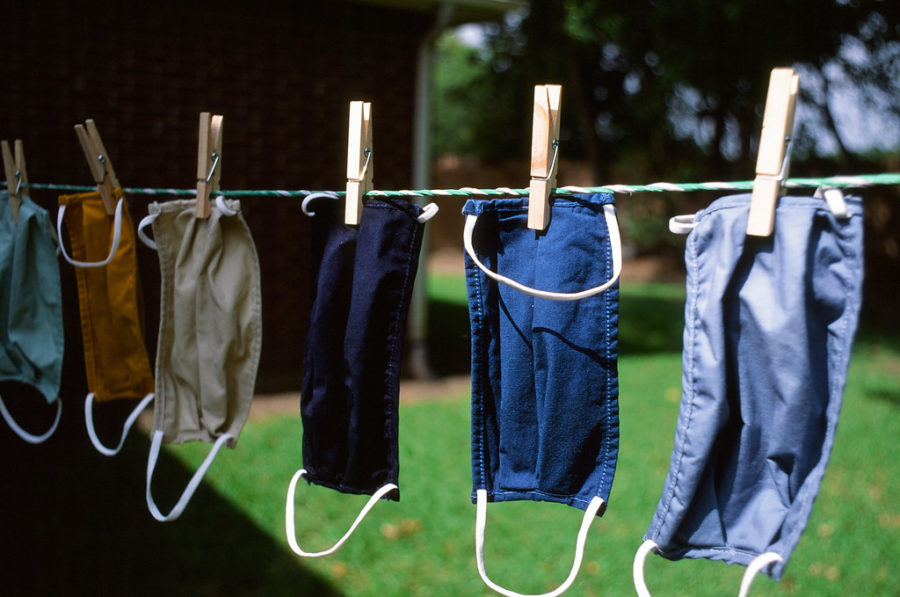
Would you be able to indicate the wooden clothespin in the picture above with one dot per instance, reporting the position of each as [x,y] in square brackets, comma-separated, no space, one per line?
[774,150]
[544,151]
[99,163]
[209,158]
[16,175]
[360,160]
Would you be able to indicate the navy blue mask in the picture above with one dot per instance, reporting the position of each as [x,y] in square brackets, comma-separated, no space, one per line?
[363,282]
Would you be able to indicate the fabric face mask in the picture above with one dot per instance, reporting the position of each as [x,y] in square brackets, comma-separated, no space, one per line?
[362,286]
[31,323]
[769,324]
[110,305]
[210,331]
[544,317]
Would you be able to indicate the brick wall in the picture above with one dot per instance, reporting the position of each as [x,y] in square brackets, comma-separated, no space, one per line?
[282,73]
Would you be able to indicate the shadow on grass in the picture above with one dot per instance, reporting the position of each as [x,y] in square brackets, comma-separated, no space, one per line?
[650,324]
[449,339]
[651,320]
[75,522]
[876,346]
[892,398]
[871,335]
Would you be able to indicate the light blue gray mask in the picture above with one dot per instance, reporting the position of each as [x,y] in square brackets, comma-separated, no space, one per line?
[769,323]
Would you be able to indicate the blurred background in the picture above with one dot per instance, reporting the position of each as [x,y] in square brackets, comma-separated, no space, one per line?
[652,91]
[674,91]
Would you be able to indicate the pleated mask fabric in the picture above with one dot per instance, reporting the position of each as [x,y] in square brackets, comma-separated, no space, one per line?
[362,286]
[110,303]
[543,310]
[31,322]
[210,332]
[769,325]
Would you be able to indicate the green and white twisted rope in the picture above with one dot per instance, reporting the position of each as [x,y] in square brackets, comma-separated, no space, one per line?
[862,180]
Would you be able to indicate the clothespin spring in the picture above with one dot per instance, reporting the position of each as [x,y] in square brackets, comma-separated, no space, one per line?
[212,169]
[18,182]
[102,159]
[555,146]
[782,175]
[362,175]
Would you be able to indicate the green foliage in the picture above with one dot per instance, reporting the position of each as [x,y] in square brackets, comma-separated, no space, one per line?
[471,104]
[457,79]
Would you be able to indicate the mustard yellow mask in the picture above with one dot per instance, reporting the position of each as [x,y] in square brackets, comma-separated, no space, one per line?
[110,304]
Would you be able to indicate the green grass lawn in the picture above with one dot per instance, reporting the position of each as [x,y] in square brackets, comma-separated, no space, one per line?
[424,545]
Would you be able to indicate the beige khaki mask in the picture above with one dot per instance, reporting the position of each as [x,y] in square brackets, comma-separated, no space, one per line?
[210,330]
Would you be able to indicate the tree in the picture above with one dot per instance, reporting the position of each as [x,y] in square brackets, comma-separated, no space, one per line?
[675,88]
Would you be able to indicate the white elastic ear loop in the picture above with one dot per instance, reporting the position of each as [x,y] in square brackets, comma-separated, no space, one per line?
[758,563]
[615,247]
[312,197]
[637,569]
[220,203]
[146,221]
[836,202]
[192,484]
[129,422]
[117,233]
[480,521]
[428,212]
[682,224]
[29,437]
[289,517]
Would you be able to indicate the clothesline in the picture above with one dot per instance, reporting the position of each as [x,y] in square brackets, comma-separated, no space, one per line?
[862,180]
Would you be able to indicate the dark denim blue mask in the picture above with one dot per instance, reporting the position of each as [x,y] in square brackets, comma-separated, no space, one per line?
[769,323]
[362,285]
[544,315]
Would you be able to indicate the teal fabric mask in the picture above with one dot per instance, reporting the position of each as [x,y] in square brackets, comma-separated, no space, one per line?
[31,323]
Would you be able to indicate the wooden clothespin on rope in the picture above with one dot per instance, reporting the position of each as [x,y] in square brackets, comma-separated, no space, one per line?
[774,157]
[16,176]
[544,153]
[209,158]
[360,160]
[98,161]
